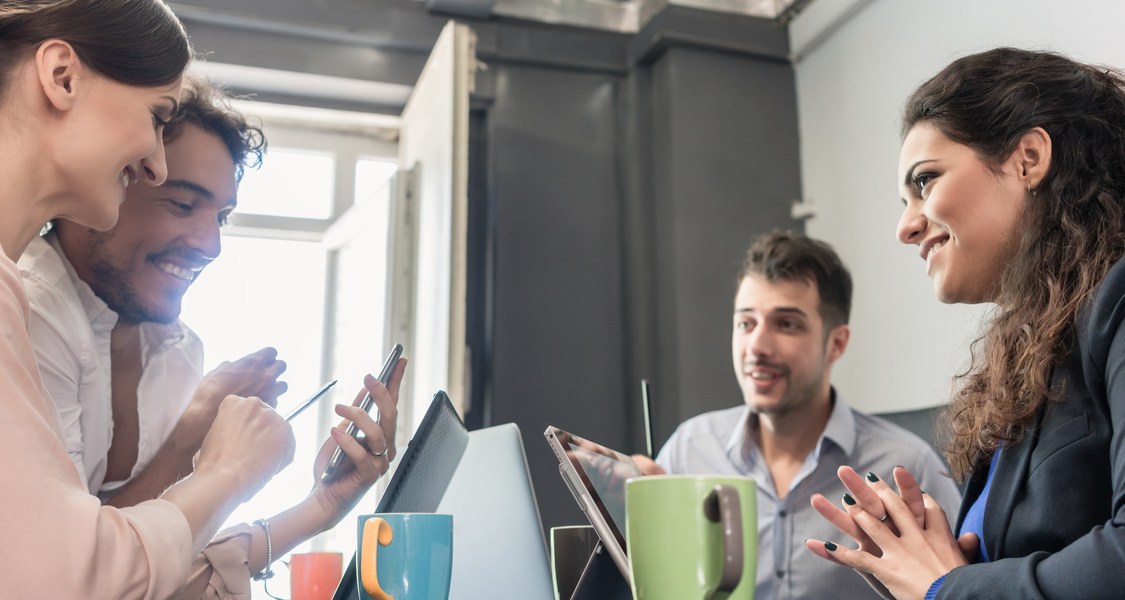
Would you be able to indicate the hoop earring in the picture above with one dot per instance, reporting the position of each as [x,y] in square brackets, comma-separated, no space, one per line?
[1030,192]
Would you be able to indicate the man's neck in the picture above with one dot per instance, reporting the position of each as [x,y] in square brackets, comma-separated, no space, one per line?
[125,339]
[785,441]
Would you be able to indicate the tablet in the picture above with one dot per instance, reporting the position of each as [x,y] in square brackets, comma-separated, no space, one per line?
[596,477]
[423,473]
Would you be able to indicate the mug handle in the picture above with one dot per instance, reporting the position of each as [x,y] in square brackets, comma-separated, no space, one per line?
[376,532]
[723,505]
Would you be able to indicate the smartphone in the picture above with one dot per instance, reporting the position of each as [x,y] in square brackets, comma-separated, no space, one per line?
[338,457]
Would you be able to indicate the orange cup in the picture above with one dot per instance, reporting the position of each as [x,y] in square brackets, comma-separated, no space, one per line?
[315,575]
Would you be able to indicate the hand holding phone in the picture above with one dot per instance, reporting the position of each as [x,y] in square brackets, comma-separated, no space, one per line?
[338,457]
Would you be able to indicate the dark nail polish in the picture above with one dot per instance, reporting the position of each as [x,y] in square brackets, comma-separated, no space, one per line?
[872,477]
[849,500]
[829,546]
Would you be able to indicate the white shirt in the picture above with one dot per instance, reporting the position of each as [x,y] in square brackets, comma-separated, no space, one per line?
[70,329]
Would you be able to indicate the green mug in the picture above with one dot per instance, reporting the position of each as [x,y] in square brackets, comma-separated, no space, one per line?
[692,537]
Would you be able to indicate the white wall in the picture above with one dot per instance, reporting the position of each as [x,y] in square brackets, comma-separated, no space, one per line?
[905,345]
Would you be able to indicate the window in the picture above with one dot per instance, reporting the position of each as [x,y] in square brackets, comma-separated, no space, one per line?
[303,269]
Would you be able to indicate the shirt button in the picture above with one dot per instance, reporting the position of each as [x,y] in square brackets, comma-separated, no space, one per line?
[784,513]
[780,573]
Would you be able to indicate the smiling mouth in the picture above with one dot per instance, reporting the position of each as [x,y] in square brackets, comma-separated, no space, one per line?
[930,249]
[128,177]
[177,271]
[934,249]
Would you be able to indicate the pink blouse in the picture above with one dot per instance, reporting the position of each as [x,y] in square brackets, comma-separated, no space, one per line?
[57,540]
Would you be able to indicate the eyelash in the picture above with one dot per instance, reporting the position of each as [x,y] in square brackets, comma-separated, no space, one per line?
[157,122]
[920,180]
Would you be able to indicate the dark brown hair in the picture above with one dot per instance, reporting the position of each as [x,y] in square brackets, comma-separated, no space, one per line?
[1073,226]
[135,42]
[208,107]
[788,256]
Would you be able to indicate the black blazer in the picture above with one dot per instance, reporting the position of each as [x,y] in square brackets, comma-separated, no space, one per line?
[1054,521]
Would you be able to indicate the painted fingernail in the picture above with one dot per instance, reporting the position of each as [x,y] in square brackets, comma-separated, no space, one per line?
[829,546]
[849,500]
[872,477]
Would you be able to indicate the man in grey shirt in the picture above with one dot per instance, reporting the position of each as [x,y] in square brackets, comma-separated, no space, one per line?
[795,430]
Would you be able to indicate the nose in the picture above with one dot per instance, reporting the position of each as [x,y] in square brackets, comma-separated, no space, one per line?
[154,167]
[760,341]
[911,225]
[204,236]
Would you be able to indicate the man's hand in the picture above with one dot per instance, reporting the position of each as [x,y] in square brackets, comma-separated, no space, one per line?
[647,465]
[252,375]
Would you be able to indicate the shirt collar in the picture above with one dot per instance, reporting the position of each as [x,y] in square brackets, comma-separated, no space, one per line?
[840,430]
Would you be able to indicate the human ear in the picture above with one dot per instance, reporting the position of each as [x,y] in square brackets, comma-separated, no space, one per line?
[838,342]
[1032,156]
[59,69]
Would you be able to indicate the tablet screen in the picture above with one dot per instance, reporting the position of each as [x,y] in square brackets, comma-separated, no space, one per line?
[603,473]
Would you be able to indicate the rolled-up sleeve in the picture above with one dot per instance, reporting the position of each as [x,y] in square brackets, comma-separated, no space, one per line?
[222,570]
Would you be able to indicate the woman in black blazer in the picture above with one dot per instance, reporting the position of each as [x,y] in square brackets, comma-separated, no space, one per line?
[1013,181]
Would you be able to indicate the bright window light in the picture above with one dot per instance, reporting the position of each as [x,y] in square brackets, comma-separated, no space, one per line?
[290,183]
[264,292]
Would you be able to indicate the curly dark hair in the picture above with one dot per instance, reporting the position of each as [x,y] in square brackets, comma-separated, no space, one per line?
[1073,226]
[208,107]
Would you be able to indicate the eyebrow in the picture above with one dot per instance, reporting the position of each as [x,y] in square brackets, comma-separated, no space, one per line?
[910,172]
[190,186]
[790,310]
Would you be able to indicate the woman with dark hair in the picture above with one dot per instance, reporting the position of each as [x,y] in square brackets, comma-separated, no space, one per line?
[1013,179]
[86,87]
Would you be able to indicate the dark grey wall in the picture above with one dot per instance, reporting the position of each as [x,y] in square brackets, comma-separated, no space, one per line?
[624,195]
[725,167]
[615,181]
[558,342]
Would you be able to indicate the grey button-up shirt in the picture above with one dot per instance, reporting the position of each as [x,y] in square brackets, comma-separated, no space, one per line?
[718,443]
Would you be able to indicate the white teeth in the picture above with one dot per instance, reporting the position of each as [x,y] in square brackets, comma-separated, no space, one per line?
[124,179]
[761,376]
[175,271]
[934,249]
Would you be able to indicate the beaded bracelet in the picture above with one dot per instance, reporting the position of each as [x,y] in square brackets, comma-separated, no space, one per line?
[266,572]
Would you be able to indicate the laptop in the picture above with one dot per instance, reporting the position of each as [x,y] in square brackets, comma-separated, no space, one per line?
[423,473]
[498,546]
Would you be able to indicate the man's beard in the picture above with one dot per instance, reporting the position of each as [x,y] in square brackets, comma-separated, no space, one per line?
[114,287]
[798,395]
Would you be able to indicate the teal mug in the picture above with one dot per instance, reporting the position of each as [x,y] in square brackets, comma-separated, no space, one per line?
[404,556]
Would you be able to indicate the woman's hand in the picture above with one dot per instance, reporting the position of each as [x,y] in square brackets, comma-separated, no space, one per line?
[861,492]
[906,552]
[370,459]
[249,441]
